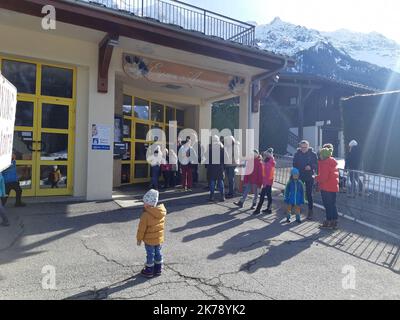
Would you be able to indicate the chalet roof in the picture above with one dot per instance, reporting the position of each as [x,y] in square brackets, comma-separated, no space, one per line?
[376,94]
[312,78]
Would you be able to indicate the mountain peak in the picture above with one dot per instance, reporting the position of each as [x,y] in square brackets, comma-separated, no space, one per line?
[289,39]
[276,20]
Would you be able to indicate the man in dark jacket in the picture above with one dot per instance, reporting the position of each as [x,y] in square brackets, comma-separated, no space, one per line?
[306,161]
[353,163]
[215,167]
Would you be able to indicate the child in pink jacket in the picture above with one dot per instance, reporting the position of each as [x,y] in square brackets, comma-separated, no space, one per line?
[252,180]
[268,173]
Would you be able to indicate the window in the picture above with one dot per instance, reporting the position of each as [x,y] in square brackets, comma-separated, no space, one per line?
[54,116]
[141,131]
[140,151]
[127,106]
[157,112]
[141,109]
[24,114]
[142,115]
[180,117]
[57,82]
[127,128]
[21,74]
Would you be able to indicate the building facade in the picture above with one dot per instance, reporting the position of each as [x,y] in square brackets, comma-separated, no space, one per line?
[101,68]
[303,106]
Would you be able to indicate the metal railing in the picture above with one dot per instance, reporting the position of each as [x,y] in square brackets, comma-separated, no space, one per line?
[359,189]
[184,16]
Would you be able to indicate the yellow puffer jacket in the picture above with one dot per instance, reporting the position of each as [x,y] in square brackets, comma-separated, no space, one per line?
[151,225]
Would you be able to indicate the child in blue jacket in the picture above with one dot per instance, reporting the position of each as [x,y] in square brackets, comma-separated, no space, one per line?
[3,216]
[294,195]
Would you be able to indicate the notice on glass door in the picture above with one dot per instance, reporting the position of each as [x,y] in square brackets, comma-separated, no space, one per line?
[101,137]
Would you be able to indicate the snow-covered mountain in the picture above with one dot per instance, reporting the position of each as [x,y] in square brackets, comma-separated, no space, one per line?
[325,60]
[372,47]
[289,39]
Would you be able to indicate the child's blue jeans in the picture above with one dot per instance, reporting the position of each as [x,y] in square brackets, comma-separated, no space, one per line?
[154,255]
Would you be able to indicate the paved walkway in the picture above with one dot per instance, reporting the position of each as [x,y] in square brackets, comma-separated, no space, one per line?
[213,251]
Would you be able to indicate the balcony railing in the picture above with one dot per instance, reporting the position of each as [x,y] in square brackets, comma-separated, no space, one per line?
[183,16]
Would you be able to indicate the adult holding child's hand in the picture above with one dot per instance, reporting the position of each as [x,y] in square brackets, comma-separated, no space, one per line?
[306,161]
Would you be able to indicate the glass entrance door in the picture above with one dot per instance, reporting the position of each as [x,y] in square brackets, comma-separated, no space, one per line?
[43,144]
[54,148]
[44,125]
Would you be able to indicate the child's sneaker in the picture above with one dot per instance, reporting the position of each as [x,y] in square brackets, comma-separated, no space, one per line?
[148,272]
[157,269]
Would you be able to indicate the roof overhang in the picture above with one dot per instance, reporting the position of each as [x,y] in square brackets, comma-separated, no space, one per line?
[102,19]
[311,80]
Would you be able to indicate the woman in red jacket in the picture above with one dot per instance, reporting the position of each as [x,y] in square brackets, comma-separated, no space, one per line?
[252,180]
[328,183]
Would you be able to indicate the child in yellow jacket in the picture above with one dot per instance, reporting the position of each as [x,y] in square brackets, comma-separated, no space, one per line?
[151,232]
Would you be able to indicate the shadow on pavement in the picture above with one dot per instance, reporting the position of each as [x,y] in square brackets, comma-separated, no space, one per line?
[105,292]
[355,240]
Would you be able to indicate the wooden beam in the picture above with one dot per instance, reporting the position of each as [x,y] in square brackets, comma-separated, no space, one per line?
[296,85]
[263,92]
[105,54]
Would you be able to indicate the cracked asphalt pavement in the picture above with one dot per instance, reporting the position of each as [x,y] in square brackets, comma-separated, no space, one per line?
[212,251]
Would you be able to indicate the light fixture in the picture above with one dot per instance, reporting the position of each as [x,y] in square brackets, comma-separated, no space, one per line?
[113,42]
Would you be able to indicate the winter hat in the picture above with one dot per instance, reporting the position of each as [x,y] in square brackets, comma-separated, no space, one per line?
[151,198]
[269,153]
[295,172]
[353,143]
[326,153]
[256,152]
[328,146]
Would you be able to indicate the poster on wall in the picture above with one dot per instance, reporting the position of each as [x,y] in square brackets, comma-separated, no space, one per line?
[101,137]
[8,105]
[119,145]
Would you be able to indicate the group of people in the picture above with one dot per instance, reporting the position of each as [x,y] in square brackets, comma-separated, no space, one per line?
[165,163]
[181,168]
[258,172]
[309,170]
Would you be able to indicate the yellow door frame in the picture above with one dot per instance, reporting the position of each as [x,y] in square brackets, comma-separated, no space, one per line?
[38,99]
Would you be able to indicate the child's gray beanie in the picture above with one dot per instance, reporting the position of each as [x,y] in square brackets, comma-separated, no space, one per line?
[151,197]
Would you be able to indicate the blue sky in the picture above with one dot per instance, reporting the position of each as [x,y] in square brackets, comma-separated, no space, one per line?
[382,16]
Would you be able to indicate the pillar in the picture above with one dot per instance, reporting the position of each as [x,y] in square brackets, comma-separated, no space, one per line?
[100,162]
